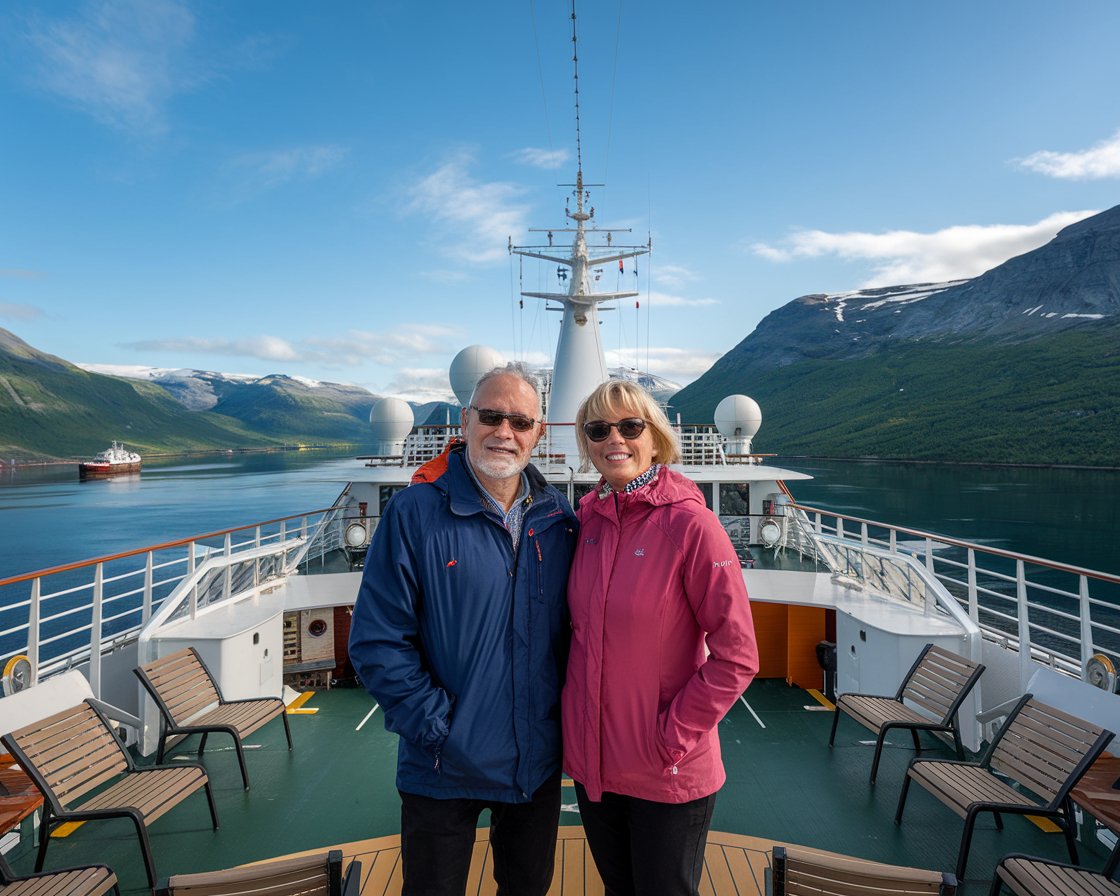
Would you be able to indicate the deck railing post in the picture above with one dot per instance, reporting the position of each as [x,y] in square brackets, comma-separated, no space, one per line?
[1024,624]
[146,611]
[893,540]
[863,533]
[929,556]
[33,628]
[95,631]
[973,594]
[1086,621]
[839,527]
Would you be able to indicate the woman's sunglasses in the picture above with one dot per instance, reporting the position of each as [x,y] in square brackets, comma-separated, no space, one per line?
[630,428]
[517,422]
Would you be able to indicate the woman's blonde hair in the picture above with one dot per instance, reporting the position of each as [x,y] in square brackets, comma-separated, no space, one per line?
[616,399]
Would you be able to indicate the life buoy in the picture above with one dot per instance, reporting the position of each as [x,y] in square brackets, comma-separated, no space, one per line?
[770,532]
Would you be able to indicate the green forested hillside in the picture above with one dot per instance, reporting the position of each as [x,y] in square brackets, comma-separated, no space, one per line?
[1053,400]
[50,408]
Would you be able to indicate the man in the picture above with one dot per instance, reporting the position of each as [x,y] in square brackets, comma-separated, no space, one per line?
[460,632]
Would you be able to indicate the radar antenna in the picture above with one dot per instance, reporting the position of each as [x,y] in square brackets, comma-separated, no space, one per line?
[579,363]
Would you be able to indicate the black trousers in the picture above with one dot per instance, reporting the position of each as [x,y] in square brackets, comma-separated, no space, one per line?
[437,839]
[643,848]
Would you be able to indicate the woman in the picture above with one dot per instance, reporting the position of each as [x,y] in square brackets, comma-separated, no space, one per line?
[654,578]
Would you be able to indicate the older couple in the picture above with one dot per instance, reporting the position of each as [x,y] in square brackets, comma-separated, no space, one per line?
[468,622]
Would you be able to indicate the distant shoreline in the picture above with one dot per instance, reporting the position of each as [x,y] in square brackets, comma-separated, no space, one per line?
[15,464]
[948,463]
[24,463]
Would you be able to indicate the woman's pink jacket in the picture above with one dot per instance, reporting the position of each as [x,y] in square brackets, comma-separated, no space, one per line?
[654,578]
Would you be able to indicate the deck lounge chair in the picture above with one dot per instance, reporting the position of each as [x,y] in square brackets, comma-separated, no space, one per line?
[93,880]
[312,875]
[1039,749]
[799,872]
[928,699]
[190,702]
[75,752]
[1030,876]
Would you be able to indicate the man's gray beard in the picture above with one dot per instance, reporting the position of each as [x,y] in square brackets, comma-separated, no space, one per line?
[494,468]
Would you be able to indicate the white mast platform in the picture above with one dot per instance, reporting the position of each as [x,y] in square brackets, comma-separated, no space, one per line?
[579,365]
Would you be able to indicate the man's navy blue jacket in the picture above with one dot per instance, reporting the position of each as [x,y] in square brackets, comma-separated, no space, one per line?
[462,641]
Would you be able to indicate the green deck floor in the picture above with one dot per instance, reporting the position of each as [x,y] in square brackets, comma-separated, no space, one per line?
[784,784]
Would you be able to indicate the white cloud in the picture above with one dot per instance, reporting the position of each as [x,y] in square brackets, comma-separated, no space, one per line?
[656,299]
[385,347]
[21,313]
[672,275]
[1099,161]
[906,256]
[421,384]
[267,348]
[268,170]
[677,364]
[118,61]
[549,159]
[475,219]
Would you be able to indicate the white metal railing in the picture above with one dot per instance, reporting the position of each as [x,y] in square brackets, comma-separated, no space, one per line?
[72,614]
[700,446]
[1052,613]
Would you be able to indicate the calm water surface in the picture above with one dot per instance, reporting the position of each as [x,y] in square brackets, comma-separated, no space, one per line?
[48,517]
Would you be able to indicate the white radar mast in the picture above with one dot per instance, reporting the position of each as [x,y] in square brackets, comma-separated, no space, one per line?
[579,365]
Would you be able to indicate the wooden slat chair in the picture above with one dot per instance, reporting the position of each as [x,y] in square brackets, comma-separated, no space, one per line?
[313,875]
[936,685]
[1030,876]
[75,754]
[1030,767]
[799,872]
[91,881]
[190,703]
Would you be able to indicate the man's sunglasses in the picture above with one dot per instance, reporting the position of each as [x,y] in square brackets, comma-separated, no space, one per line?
[630,428]
[490,417]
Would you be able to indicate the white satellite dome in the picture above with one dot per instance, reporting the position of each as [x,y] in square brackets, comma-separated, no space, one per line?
[391,421]
[738,419]
[470,364]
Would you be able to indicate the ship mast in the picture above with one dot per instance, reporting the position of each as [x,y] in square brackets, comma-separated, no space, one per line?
[579,365]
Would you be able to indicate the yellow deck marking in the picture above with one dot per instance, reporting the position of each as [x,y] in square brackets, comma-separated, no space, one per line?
[820,698]
[1044,824]
[294,707]
[66,829]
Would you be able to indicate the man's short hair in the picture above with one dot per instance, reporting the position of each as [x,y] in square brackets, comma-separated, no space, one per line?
[513,368]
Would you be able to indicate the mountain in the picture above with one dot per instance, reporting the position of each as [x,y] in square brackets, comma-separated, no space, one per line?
[52,408]
[1017,365]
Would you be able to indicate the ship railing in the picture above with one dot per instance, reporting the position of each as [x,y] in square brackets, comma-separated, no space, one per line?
[77,613]
[700,446]
[1053,614]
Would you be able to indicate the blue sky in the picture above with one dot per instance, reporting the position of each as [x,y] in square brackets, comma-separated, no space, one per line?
[327,189]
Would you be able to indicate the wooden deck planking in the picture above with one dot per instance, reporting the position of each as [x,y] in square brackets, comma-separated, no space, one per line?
[734,865]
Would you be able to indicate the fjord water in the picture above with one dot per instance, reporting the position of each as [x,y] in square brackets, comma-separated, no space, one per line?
[48,517]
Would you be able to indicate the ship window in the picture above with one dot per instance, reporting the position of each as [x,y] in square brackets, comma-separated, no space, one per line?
[734,514]
[706,489]
[734,499]
[385,493]
[579,489]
